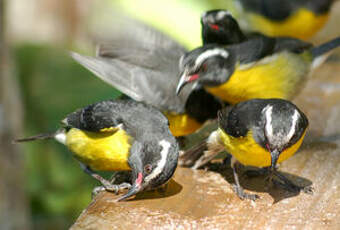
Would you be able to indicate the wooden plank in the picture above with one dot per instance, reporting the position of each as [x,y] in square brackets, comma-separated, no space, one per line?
[204,199]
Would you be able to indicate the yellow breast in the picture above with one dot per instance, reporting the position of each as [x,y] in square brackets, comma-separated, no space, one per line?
[182,124]
[302,24]
[248,152]
[104,151]
[279,76]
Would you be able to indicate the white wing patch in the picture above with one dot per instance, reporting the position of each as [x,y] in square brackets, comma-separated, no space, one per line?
[210,53]
[160,165]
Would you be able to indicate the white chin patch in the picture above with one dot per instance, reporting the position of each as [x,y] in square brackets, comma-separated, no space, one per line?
[161,163]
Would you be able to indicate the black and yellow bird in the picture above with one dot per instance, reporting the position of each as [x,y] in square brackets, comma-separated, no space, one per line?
[120,135]
[294,18]
[260,133]
[261,67]
[143,64]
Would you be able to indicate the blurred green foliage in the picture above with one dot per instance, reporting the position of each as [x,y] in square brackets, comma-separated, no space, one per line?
[177,18]
[53,85]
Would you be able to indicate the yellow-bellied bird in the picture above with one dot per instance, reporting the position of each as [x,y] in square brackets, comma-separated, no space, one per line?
[260,133]
[118,135]
[261,67]
[294,18]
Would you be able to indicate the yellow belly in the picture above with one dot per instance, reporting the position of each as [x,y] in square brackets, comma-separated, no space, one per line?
[106,151]
[302,24]
[182,124]
[279,77]
[248,152]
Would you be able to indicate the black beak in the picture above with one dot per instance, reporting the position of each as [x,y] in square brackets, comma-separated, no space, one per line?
[185,79]
[274,156]
[135,188]
[182,82]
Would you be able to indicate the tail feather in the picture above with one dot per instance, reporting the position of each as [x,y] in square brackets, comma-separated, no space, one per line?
[326,47]
[42,136]
[189,157]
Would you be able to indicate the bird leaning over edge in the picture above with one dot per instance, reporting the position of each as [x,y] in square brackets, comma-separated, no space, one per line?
[142,63]
[261,67]
[301,19]
[120,135]
[260,133]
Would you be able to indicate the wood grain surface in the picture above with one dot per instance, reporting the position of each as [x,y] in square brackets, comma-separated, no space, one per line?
[203,199]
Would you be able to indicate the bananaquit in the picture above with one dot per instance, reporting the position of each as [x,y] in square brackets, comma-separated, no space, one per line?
[260,133]
[117,135]
[294,18]
[261,67]
[143,65]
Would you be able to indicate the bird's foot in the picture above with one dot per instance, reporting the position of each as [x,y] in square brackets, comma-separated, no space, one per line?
[243,195]
[111,188]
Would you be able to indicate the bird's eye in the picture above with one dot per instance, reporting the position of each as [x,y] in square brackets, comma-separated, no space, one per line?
[214,27]
[148,168]
[203,68]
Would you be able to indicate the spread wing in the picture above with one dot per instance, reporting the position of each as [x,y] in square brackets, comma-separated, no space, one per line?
[143,66]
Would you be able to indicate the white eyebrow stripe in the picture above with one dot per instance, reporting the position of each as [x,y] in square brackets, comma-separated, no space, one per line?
[161,164]
[293,127]
[269,128]
[209,53]
[221,14]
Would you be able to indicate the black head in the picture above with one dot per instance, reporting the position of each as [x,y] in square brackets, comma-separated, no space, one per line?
[283,125]
[219,26]
[153,163]
[209,65]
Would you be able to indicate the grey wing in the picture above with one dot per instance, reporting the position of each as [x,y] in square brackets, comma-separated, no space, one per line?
[139,43]
[142,63]
[153,86]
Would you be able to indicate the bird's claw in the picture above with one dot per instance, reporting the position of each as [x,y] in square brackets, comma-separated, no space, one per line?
[111,188]
[243,195]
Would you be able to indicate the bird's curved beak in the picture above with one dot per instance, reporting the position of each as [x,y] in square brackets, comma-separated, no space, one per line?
[274,157]
[135,188]
[185,79]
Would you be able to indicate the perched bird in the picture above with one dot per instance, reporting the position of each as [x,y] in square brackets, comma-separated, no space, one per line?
[119,135]
[261,67]
[143,64]
[300,19]
[260,133]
